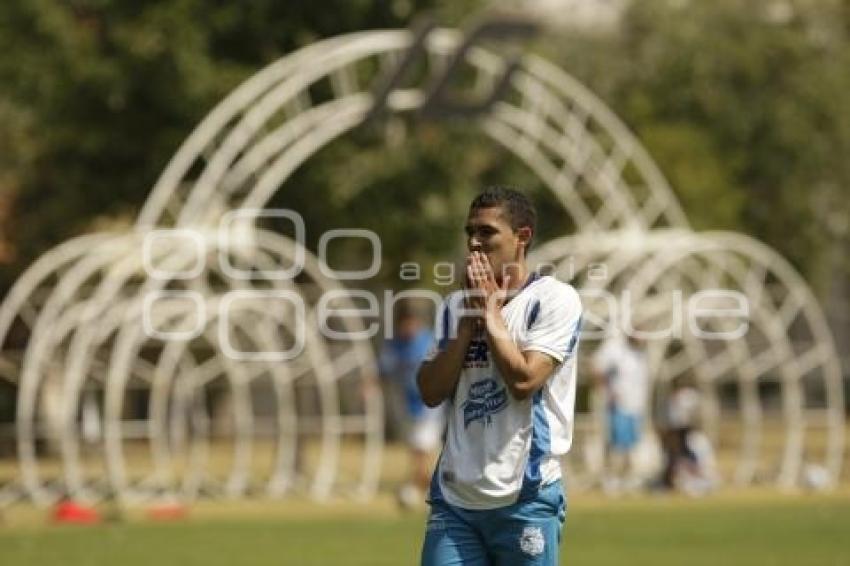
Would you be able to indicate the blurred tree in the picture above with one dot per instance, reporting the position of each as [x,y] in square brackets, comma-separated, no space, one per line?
[96,95]
[744,106]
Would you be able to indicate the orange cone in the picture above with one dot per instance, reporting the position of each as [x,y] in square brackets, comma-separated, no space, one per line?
[70,512]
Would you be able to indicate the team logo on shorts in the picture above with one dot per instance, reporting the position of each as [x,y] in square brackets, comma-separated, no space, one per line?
[531,541]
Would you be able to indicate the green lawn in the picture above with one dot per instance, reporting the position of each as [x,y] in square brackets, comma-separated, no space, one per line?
[746,530]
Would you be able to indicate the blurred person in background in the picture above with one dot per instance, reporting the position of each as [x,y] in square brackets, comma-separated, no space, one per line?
[621,369]
[422,426]
[688,456]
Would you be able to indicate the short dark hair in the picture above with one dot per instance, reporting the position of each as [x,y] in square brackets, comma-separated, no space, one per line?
[518,208]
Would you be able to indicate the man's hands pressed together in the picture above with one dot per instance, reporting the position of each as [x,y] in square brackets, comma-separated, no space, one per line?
[523,372]
[484,292]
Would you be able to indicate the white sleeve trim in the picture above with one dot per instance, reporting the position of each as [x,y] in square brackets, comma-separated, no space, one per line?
[558,356]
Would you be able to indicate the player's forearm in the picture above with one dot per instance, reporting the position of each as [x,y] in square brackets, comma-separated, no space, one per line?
[512,365]
[438,378]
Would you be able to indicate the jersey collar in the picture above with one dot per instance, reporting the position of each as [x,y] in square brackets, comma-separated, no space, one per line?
[532,277]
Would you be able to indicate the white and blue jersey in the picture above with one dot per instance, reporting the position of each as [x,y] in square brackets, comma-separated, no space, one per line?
[499,450]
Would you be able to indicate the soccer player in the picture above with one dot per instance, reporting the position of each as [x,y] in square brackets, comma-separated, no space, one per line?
[504,363]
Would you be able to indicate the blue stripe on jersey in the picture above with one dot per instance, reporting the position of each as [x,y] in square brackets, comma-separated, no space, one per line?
[574,338]
[540,445]
[444,338]
[532,316]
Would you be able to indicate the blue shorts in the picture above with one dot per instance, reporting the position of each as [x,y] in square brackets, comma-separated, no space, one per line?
[527,532]
[623,430]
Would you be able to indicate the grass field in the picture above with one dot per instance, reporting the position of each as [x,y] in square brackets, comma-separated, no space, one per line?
[753,527]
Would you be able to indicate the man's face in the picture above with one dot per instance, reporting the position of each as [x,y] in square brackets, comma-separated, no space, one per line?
[488,231]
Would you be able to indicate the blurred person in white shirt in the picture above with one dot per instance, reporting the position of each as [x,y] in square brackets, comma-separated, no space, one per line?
[621,369]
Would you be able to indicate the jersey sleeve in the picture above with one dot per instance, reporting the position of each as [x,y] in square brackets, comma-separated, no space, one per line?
[556,327]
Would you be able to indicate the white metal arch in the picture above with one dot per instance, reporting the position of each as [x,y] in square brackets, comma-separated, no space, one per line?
[566,135]
[89,315]
[640,262]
